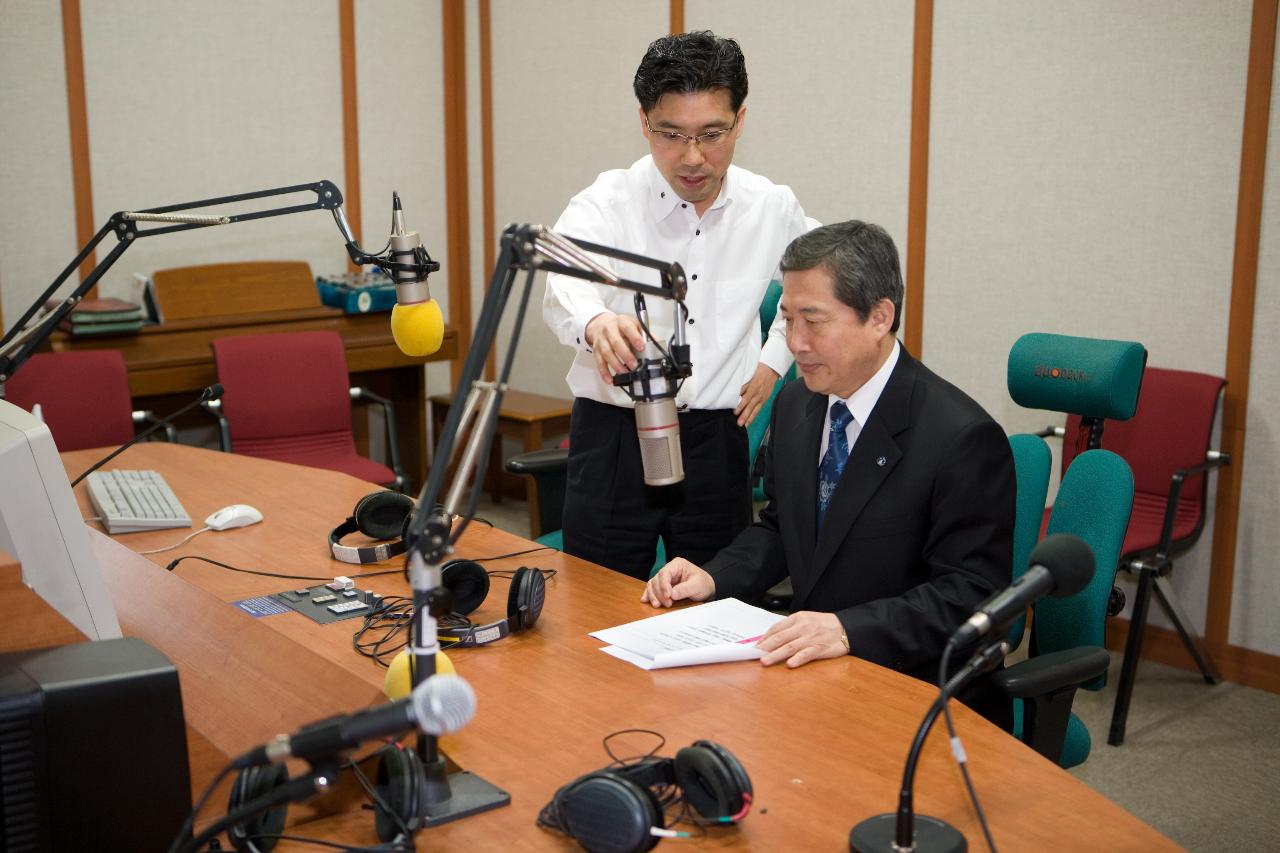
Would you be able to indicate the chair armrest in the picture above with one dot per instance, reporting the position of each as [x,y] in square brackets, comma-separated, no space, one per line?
[537,462]
[1048,673]
[393,440]
[141,416]
[1213,459]
[213,408]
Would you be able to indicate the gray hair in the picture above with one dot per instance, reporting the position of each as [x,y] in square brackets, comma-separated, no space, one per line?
[860,257]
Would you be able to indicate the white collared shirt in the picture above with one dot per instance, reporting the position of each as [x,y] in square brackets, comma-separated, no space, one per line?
[729,257]
[861,403]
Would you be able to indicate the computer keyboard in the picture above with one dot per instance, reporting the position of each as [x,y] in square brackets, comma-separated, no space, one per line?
[130,501]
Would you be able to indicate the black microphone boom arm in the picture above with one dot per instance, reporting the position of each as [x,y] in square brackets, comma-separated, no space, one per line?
[33,328]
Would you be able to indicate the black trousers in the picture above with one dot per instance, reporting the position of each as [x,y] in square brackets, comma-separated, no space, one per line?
[612,518]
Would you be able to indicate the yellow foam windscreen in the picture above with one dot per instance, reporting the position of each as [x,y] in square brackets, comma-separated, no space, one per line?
[418,329]
[398,684]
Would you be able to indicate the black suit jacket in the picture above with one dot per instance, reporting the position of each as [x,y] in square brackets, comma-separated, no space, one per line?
[918,532]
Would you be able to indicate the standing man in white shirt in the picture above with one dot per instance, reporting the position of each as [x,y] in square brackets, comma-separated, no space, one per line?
[727,228]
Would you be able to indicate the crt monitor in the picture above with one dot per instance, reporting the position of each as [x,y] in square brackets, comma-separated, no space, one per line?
[41,525]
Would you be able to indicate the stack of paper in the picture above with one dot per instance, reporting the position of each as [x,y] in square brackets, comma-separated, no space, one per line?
[716,632]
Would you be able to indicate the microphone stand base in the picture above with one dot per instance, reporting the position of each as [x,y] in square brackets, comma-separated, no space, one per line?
[451,796]
[879,834]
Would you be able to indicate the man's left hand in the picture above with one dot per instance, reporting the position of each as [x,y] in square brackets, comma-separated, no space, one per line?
[755,394]
[802,637]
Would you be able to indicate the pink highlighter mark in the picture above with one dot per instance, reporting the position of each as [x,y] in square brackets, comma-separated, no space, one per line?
[751,639]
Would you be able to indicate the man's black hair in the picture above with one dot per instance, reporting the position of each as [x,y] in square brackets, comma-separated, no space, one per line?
[689,63]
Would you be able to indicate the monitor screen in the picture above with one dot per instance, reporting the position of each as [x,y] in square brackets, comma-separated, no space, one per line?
[41,525]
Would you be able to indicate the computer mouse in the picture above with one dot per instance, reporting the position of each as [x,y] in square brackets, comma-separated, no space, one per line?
[236,515]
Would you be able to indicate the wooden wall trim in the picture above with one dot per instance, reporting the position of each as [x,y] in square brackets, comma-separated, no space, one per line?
[1249,667]
[918,177]
[350,120]
[457,206]
[677,16]
[1244,281]
[489,214]
[78,127]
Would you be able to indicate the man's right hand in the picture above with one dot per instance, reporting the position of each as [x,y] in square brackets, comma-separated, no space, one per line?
[678,580]
[614,340]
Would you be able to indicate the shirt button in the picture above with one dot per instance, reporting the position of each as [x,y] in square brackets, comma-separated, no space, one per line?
[690,321]
[662,195]
[695,276]
[684,205]
[696,233]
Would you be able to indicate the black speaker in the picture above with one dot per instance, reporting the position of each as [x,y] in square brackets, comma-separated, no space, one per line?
[93,749]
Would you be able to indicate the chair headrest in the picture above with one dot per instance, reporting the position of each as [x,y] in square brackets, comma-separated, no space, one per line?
[1091,377]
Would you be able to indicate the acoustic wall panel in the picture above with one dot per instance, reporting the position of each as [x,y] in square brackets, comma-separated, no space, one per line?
[563,112]
[191,100]
[37,219]
[829,107]
[1083,170]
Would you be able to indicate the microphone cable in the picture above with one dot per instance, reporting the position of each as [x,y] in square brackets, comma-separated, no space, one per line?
[957,748]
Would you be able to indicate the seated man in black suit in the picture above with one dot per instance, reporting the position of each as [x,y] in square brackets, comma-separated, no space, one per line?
[891,492]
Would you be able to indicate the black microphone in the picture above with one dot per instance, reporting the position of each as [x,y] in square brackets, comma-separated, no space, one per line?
[439,705]
[213,392]
[1061,565]
[904,830]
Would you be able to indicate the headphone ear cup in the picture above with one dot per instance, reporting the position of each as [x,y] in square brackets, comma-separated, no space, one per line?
[250,784]
[467,582]
[381,515]
[400,785]
[713,781]
[607,813]
[525,599]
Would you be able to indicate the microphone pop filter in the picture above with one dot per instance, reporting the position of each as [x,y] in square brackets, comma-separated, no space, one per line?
[418,329]
[1069,560]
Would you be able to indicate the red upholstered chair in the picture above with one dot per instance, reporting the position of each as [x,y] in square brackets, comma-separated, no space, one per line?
[288,397]
[83,396]
[1166,443]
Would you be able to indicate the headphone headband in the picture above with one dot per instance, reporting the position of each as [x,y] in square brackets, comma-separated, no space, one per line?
[349,554]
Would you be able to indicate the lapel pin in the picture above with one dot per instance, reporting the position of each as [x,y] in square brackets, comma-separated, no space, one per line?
[881,461]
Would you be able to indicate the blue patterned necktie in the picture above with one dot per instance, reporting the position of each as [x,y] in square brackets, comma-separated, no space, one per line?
[834,459]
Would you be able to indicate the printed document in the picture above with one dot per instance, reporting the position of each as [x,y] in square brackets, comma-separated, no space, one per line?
[715,632]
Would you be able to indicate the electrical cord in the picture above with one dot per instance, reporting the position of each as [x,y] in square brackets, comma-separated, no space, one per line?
[188,538]
[174,564]
[957,749]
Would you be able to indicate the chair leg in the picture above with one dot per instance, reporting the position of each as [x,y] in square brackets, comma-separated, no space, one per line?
[1195,645]
[1132,653]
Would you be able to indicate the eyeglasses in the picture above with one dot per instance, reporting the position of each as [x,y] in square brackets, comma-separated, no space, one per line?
[710,139]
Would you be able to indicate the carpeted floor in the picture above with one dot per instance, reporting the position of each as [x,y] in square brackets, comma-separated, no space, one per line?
[1199,763]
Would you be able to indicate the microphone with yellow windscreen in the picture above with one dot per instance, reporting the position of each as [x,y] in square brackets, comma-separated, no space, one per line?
[398,682]
[417,324]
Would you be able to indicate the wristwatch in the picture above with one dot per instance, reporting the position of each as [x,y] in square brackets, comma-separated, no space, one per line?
[844,638]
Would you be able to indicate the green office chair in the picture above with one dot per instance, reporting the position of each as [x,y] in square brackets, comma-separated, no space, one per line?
[1031,463]
[1096,379]
[548,467]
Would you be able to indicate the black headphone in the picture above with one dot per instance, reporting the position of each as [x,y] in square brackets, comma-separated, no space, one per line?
[380,515]
[253,783]
[618,810]
[468,585]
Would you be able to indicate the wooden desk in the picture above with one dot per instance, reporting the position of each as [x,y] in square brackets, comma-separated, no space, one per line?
[531,418]
[174,358]
[824,745]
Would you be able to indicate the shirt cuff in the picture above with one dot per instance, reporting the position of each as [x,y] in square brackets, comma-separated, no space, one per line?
[775,355]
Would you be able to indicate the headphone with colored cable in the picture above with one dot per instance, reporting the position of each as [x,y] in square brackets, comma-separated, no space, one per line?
[620,810]
[468,584]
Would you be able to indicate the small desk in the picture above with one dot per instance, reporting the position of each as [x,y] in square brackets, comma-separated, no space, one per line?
[824,744]
[531,418]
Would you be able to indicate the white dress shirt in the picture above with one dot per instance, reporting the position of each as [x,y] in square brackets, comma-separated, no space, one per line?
[729,257]
[860,404]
